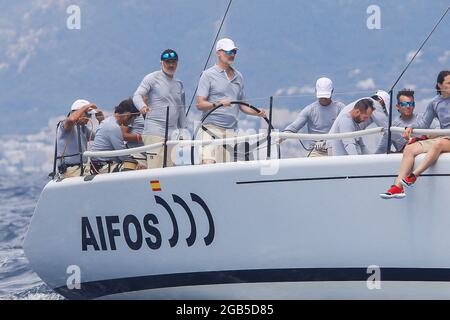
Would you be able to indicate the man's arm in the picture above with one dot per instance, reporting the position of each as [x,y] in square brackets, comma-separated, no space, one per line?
[424,122]
[247,110]
[347,125]
[380,118]
[76,115]
[143,90]
[300,122]
[130,137]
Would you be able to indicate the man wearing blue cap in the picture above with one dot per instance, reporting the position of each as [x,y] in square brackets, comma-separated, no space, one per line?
[163,90]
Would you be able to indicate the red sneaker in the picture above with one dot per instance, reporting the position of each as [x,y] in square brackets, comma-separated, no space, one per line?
[409,180]
[393,192]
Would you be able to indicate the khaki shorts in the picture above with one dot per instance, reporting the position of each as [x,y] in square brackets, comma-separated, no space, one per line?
[155,158]
[216,153]
[428,144]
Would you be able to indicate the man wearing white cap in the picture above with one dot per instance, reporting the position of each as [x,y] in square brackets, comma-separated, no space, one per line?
[380,116]
[72,134]
[219,85]
[319,116]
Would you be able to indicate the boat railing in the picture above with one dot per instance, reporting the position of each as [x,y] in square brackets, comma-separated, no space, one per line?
[434,132]
[155,146]
[330,136]
[244,138]
[249,143]
[275,135]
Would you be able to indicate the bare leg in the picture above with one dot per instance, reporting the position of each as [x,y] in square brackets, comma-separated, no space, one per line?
[441,145]
[407,164]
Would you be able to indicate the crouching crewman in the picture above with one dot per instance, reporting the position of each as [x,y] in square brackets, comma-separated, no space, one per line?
[109,138]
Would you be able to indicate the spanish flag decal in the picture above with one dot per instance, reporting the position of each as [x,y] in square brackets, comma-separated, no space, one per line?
[156,186]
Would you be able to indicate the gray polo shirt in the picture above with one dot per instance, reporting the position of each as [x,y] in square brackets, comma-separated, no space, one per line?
[214,85]
[162,91]
[137,126]
[438,108]
[349,146]
[108,138]
[319,118]
[67,143]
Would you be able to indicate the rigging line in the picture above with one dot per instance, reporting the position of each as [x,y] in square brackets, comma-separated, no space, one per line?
[417,52]
[210,53]
[389,139]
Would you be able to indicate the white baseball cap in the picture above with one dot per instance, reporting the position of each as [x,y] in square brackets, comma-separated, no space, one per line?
[226,45]
[385,96]
[324,88]
[77,105]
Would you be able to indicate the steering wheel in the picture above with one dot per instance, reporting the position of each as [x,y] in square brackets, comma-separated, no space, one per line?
[251,147]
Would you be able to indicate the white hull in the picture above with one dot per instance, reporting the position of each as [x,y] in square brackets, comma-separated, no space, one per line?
[309,231]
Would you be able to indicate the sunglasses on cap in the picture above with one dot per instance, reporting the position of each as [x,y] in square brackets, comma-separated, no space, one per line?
[169,56]
[405,104]
[230,52]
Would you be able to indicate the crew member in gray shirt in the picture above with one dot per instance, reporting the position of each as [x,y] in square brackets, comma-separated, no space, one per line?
[163,90]
[349,122]
[220,85]
[407,117]
[67,138]
[319,116]
[109,138]
[409,171]
[380,116]
[132,133]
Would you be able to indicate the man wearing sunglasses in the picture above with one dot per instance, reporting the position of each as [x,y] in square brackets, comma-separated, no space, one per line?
[163,90]
[407,117]
[220,85]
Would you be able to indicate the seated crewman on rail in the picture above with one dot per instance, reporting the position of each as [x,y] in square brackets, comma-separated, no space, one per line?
[407,118]
[438,108]
[109,138]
